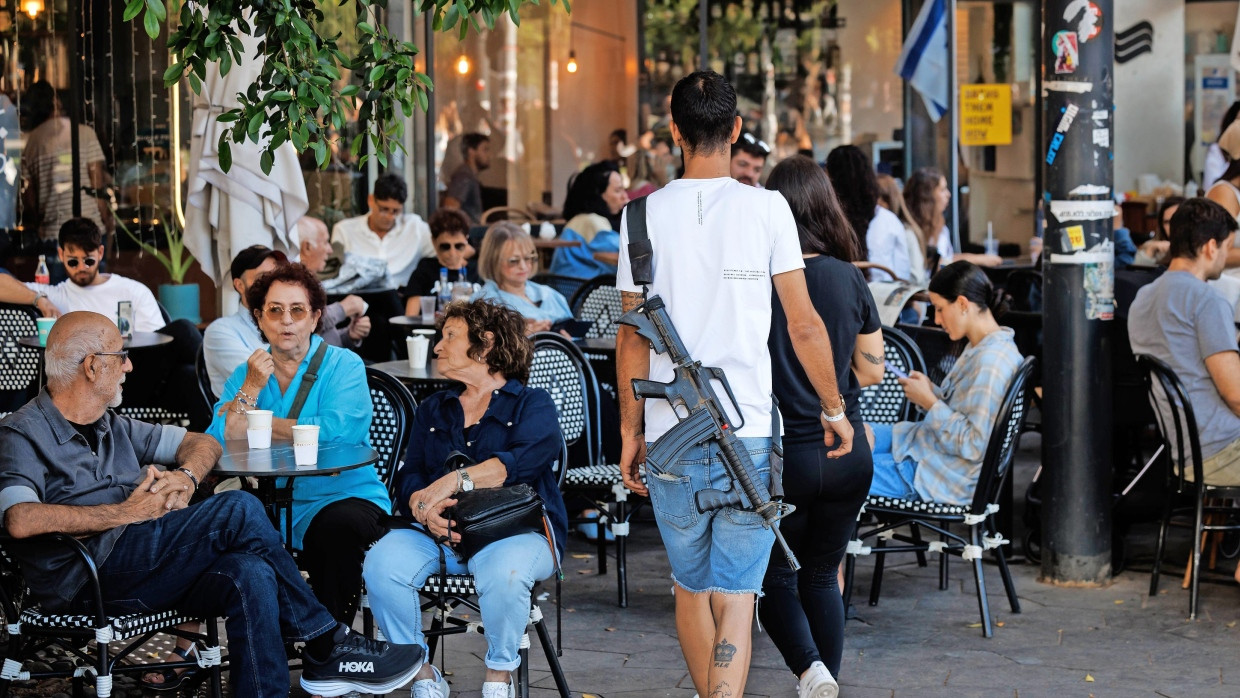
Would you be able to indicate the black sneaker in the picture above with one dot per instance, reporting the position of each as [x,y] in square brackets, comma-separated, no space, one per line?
[360,664]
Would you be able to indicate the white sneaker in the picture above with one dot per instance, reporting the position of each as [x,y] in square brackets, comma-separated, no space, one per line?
[499,689]
[431,688]
[817,682]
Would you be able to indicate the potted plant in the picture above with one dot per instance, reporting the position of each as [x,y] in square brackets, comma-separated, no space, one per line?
[178,298]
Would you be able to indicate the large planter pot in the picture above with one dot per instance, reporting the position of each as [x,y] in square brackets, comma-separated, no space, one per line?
[181,301]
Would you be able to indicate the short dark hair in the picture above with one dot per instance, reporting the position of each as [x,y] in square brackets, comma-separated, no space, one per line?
[511,351]
[82,233]
[294,274]
[39,102]
[967,279]
[252,257]
[471,141]
[621,134]
[704,110]
[389,186]
[751,146]
[448,221]
[1196,222]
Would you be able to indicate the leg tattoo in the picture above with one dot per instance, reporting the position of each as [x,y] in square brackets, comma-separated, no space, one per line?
[723,690]
[724,651]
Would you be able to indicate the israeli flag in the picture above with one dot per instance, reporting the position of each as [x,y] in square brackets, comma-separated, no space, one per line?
[924,60]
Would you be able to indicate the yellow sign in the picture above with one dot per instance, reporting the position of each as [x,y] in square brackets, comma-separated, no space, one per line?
[1076,237]
[985,114]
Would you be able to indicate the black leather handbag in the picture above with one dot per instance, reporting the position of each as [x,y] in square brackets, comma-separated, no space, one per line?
[483,516]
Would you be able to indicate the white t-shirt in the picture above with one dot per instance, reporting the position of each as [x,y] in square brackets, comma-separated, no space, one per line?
[102,298]
[402,248]
[717,243]
[944,246]
[884,241]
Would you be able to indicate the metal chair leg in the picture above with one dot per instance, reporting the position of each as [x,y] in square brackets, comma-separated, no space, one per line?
[976,539]
[1198,524]
[1162,544]
[1004,572]
[876,582]
[523,671]
[213,639]
[553,661]
[944,559]
[916,532]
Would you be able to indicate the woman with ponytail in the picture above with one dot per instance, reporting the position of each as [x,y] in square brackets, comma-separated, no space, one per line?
[940,458]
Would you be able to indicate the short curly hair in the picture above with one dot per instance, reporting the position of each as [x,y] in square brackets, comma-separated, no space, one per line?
[294,274]
[511,352]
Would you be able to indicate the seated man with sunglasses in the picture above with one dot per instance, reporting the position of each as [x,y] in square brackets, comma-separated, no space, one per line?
[749,159]
[450,238]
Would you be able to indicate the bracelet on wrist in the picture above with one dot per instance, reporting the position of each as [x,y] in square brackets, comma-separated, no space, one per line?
[190,476]
[833,414]
[837,418]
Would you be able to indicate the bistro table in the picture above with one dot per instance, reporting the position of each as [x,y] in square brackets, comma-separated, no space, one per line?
[139,340]
[268,465]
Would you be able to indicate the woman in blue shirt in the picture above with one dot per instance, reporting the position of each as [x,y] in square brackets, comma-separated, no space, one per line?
[592,207]
[335,519]
[511,433]
[507,261]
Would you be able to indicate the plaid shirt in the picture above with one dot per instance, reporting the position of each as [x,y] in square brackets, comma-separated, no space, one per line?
[949,444]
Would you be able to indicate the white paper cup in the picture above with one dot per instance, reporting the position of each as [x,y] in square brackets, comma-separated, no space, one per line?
[428,308]
[418,346]
[258,428]
[306,444]
[259,438]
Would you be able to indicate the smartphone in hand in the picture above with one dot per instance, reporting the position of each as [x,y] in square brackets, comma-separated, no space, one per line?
[899,374]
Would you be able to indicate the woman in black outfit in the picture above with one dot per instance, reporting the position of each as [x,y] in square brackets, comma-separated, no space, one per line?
[803,611]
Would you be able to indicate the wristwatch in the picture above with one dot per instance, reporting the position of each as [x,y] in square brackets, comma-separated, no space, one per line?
[467,485]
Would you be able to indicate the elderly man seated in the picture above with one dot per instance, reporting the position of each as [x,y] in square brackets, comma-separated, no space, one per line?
[70,465]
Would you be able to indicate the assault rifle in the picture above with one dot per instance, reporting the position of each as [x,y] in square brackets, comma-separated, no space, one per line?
[704,421]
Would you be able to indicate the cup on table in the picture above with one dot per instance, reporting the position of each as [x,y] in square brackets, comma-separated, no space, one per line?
[258,428]
[992,246]
[419,346]
[427,304]
[306,444]
[45,326]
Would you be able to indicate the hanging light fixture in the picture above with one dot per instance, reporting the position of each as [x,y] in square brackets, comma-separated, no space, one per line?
[462,64]
[571,66]
[32,7]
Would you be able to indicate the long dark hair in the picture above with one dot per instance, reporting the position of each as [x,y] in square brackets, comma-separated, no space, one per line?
[855,183]
[967,279]
[919,198]
[585,193]
[821,225]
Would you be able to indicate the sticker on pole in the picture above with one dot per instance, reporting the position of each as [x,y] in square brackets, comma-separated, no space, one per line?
[1067,55]
[1074,237]
[1073,211]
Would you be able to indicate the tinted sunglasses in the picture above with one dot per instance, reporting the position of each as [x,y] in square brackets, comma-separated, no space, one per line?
[530,259]
[73,262]
[754,141]
[276,312]
[458,246]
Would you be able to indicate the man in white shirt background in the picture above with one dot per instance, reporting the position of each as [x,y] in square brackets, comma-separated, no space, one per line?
[400,239]
[748,159]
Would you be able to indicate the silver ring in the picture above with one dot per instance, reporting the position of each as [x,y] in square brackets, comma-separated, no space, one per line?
[421,506]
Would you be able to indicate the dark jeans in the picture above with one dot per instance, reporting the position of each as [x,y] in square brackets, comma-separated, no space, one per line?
[803,611]
[220,558]
[333,549]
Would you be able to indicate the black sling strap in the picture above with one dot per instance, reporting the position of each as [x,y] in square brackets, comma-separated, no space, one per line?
[307,381]
[641,253]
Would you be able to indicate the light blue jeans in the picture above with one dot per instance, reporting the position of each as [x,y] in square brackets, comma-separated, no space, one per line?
[504,571]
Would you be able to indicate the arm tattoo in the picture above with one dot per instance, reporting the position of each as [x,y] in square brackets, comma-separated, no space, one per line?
[629,300]
[724,651]
[723,690]
[876,360]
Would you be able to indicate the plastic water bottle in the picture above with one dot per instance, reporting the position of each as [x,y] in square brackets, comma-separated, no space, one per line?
[445,289]
[41,274]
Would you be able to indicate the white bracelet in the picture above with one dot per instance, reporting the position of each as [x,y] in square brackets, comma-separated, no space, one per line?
[829,418]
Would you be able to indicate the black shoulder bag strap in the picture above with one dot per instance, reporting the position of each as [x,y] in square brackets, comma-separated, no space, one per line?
[641,252]
[307,381]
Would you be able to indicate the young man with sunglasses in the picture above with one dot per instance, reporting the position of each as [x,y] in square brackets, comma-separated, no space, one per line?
[387,232]
[80,249]
[450,236]
[748,159]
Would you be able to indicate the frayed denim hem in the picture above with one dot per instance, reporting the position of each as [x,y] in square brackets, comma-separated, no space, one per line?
[757,593]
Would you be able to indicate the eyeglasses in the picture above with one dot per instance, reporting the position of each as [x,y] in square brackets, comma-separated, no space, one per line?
[73,262]
[754,141]
[124,354]
[458,246]
[276,312]
[530,259]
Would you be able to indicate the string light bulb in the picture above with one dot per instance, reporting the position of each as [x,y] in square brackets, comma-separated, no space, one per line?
[462,64]
[571,66]
[32,7]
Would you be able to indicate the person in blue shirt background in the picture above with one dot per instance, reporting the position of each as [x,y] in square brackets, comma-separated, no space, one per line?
[592,207]
[507,261]
[335,519]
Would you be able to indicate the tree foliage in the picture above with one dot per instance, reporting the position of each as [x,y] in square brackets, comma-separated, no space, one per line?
[300,97]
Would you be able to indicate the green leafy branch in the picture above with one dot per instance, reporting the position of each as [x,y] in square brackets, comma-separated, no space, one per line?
[299,97]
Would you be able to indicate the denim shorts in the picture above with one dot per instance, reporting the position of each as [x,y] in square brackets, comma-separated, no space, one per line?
[723,550]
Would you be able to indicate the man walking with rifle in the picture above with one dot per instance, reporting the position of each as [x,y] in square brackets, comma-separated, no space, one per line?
[697,265]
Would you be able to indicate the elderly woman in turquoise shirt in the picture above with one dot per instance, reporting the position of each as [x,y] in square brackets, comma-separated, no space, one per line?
[507,261]
[335,519]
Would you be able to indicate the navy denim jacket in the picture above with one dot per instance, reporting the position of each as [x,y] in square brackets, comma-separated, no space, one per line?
[520,427]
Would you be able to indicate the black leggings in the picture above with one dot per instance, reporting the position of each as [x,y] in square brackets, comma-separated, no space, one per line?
[333,549]
[803,611]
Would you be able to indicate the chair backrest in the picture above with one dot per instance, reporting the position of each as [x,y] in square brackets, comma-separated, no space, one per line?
[204,379]
[566,285]
[1004,437]
[937,348]
[1173,414]
[389,427]
[560,368]
[19,365]
[598,302]
[886,403]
